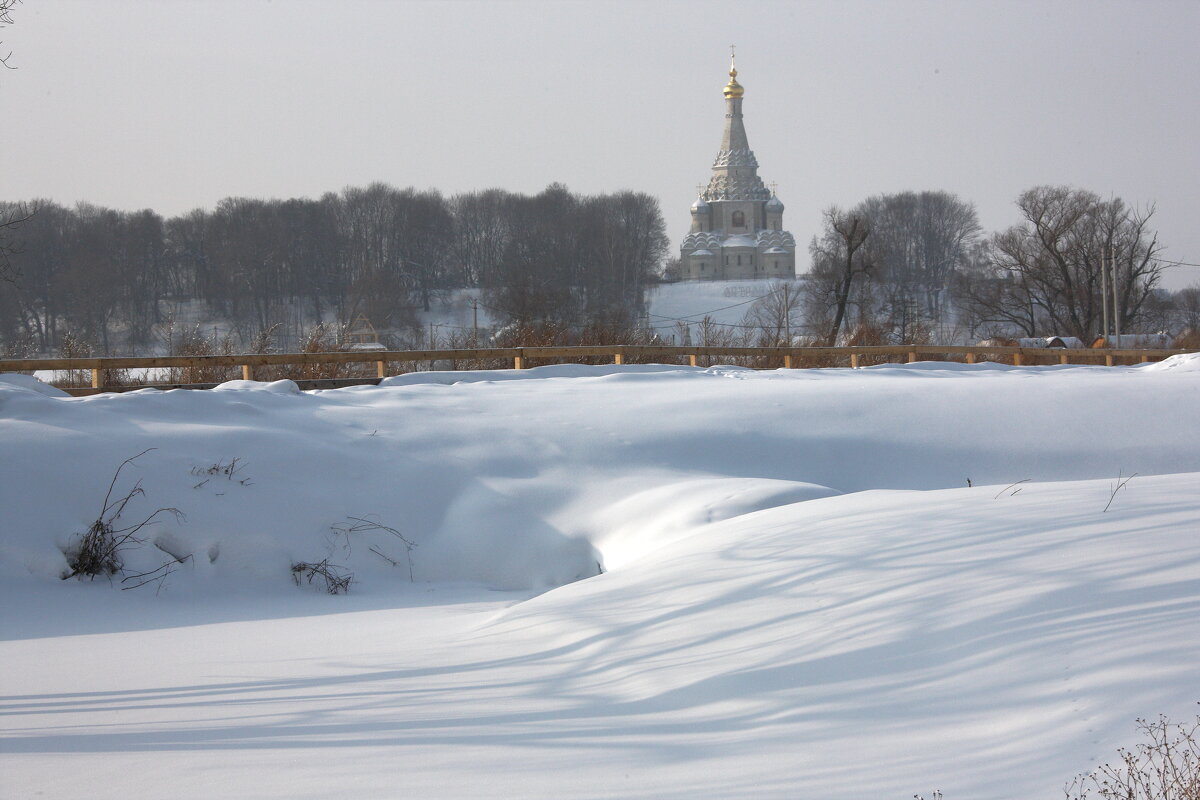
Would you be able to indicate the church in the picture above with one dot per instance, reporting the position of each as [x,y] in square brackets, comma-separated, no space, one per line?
[737,224]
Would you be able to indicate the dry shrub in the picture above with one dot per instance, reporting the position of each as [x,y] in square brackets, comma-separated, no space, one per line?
[20,346]
[533,334]
[74,346]
[1188,340]
[323,338]
[334,579]
[469,340]
[98,551]
[191,342]
[867,334]
[1166,766]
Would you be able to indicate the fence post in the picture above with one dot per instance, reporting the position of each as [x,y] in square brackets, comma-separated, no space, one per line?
[519,360]
[1062,358]
[618,357]
[854,361]
[1016,359]
[380,369]
[247,372]
[692,359]
[912,356]
[96,384]
[1108,359]
[970,357]
[787,361]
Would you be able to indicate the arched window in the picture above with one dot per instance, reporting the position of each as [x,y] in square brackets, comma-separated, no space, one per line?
[739,219]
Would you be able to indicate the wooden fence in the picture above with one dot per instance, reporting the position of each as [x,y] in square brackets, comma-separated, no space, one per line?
[523,357]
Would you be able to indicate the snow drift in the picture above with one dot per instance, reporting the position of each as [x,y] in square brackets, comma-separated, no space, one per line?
[785,571]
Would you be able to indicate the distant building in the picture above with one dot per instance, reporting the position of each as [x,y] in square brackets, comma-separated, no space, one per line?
[737,224]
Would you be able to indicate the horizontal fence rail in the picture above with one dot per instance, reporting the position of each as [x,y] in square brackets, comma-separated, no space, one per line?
[522,357]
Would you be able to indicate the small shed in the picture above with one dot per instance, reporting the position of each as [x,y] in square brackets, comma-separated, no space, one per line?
[363,336]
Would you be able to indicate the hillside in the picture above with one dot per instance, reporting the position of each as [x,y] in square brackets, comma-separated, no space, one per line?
[637,581]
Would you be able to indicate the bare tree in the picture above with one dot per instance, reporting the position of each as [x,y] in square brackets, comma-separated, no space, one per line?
[919,240]
[1058,256]
[838,257]
[6,7]
[777,315]
[12,216]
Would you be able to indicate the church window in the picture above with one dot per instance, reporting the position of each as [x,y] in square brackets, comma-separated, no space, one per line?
[739,219]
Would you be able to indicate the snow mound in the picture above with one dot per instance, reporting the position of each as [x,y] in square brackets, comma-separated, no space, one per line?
[450,378]
[275,387]
[634,526]
[1184,362]
[18,382]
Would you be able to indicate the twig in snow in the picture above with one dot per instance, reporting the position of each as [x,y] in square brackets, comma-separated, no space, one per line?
[1011,485]
[1120,485]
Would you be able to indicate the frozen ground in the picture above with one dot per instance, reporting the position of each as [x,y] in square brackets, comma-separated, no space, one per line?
[802,596]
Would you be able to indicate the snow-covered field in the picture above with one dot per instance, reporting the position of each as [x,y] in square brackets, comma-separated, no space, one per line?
[801,595]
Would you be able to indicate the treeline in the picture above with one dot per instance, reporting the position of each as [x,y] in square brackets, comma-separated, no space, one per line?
[905,267]
[105,276]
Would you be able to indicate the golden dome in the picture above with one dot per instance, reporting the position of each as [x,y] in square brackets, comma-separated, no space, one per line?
[733,88]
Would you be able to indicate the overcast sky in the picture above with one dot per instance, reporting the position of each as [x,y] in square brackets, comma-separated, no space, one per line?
[173,105]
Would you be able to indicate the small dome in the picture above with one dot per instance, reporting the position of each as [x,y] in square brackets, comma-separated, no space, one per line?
[733,88]
[699,207]
[774,204]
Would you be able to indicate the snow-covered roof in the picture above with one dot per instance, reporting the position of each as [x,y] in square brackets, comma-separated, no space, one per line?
[740,240]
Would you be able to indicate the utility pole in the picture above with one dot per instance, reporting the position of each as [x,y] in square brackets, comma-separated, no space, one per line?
[1112,256]
[787,314]
[1104,294]
[475,320]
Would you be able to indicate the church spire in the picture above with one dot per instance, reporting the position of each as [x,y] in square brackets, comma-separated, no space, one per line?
[733,88]
[734,138]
